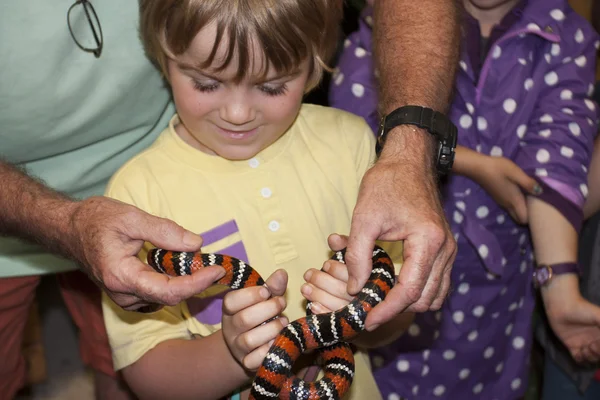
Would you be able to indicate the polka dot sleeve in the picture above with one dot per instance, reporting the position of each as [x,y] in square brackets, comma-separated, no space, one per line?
[557,142]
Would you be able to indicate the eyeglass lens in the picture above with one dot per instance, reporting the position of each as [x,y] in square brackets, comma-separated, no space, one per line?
[84,26]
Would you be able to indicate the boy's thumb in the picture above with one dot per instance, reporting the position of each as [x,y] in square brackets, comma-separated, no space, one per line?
[277,282]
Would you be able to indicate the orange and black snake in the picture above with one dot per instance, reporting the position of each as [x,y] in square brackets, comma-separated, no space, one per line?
[329,333]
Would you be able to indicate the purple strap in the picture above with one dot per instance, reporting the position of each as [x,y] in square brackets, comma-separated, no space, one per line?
[563,268]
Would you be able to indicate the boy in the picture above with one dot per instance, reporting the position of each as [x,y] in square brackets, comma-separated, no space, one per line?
[260,176]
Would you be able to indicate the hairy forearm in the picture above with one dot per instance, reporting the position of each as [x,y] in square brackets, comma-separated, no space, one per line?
[30,210]
[416,49]
[416,52]
[187,369]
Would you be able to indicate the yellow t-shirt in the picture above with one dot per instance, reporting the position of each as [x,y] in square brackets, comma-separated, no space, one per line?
[272,211]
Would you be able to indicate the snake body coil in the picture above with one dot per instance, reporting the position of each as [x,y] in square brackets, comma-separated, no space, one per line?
[326,333]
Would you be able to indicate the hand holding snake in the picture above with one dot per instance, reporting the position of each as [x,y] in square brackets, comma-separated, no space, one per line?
[327,332]
[252,318]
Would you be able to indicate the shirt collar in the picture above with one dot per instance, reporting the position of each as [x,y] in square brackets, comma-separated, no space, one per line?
[473,37]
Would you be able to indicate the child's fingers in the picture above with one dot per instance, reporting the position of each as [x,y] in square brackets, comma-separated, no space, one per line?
[586,355]
[526,182]
[595,349]
[254,359]
[255,338]
[515,216]
[337,242]
[518,210]
[251,317]
[326,282]
[336,269]
[592,355]
[515,202]
[315,294]
[237,300]
[318,308]
[277,282]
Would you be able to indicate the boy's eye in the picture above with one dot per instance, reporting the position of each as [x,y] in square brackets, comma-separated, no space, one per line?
[273,90]
[205,86]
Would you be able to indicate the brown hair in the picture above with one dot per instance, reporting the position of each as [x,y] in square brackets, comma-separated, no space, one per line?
[287,31]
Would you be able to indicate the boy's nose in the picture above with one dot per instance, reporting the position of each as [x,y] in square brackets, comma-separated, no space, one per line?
[238,112]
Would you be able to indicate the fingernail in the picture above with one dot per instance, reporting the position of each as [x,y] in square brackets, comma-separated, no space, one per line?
[537,189]
[308,274]
[371,328]
[191,239]
[284,321]
[221,270]
[306,289]
[264,293]
[326,266]
[316,308]
[281,301]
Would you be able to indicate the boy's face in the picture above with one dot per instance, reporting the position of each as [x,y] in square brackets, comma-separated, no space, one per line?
[234,121]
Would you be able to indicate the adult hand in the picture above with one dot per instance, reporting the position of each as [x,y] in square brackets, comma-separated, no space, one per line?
[247,313]
[576,322]
[400,202]
[107,237]
[505,182]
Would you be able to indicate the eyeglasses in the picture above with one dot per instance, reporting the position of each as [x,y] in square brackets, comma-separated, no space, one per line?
[81,36]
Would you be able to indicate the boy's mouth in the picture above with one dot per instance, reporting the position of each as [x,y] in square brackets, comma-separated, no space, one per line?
[237,134]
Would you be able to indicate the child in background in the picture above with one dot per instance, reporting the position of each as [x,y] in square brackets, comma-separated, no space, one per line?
[258,175]
[526,126]
[564,379]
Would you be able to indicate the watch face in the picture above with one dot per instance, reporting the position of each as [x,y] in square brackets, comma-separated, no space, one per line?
[541,276]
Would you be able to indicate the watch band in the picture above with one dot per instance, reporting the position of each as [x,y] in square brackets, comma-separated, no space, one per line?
[544,273]
[434,122]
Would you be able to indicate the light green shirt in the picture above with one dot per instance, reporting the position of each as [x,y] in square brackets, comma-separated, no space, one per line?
[69,118]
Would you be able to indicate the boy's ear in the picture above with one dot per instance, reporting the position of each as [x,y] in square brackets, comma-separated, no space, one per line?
[318,68]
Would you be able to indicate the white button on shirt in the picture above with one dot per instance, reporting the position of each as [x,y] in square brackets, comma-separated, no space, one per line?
[273,226]
[253,163]
[266,192]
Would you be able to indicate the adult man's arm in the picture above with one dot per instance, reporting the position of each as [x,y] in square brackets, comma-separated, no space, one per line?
[103,235]
[416,46]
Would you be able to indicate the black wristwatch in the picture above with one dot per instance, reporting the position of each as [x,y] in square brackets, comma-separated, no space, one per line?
[434,122]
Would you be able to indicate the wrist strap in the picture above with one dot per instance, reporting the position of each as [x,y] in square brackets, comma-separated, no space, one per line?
[562,268]
[543,273]
[434,122]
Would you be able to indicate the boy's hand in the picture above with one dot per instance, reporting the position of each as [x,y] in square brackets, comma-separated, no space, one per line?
[244,312]
[505,182]
[327,289]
